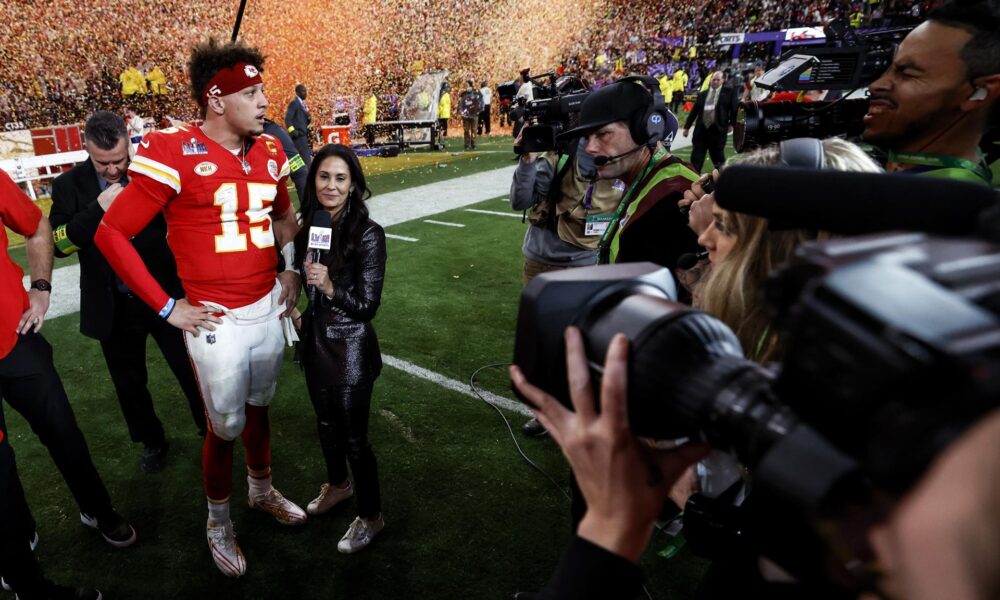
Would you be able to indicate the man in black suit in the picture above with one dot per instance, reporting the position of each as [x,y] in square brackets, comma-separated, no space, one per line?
[713,116]
[297,119]
[109,312]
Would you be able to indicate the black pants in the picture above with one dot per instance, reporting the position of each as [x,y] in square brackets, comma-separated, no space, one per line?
[369,135]
[342,421]
[304,145]
[125,354]
[17,527]
[484,120]
[30,384]
[708,139]
[443,127]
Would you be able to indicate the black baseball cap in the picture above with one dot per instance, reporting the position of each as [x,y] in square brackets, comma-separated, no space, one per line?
[621,101]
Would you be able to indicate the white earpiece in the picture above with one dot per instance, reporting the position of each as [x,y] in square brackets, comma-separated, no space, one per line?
[979,95]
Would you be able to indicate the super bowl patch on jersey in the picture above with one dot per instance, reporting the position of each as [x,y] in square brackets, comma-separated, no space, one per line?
[206,168]
[272,168]
[193,147]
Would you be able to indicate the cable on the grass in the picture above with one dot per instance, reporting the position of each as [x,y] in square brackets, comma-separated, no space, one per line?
[475,390]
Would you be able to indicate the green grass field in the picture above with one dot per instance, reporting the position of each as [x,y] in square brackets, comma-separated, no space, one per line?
[466,516]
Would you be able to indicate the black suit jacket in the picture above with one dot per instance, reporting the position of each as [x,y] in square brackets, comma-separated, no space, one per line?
[296,117]
[725,110]
[74,204]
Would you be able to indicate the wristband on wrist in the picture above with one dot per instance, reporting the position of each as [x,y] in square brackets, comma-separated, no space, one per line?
[167,308]
[288,253]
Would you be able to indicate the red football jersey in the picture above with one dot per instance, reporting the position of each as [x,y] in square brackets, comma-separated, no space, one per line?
[217,206]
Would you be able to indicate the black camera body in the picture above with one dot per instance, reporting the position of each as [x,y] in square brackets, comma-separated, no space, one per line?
[848,62]
[554,109]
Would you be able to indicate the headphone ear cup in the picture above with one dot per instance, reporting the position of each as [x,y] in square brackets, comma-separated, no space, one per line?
[979,95]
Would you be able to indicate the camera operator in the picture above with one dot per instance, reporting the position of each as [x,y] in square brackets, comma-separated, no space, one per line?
[567,209]
[628,131]
[936,543]
[936,101]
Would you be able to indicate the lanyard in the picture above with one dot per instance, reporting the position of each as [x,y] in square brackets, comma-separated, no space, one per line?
[942,161]
[627,199]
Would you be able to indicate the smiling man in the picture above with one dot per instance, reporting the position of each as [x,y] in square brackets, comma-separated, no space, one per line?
[221,189]
[933,105]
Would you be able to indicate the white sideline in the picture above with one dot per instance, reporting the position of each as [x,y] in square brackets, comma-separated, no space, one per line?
[454,384]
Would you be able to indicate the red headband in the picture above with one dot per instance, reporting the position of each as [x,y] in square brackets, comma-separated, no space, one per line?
[231,80]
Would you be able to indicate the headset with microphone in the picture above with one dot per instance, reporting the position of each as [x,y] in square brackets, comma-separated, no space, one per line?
[656,124]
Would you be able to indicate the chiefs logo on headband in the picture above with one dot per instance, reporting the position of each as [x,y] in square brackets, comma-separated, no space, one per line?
[231,80]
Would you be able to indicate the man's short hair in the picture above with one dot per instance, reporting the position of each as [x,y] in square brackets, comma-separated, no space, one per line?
[105,129]
[981,53]
[300,89]
[211,56]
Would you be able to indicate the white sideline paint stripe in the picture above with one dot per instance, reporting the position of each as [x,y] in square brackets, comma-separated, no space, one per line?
[427,200]
[493,212]
[445,223]
[454,385]
[401,237]
[64,299]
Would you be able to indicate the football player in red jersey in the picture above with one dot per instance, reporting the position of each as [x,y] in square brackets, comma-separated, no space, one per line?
[221,188]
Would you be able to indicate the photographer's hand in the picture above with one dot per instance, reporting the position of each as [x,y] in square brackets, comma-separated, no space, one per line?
[700,204]
[624,483]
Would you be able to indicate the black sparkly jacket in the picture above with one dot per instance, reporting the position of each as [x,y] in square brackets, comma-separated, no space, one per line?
[338,343]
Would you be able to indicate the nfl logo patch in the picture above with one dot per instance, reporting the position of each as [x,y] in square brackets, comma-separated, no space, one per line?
[210,338]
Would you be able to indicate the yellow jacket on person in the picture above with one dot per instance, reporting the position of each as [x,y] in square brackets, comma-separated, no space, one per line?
[666,88]
[370,110]
[129,87]
[444,106]
[157,81]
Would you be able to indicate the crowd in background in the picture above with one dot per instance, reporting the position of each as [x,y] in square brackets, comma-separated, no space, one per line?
[60,74]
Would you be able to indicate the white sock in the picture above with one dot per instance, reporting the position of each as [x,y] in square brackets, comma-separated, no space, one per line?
[218,513]
[258,486]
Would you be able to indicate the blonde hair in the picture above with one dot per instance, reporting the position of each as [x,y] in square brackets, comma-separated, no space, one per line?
[733,290]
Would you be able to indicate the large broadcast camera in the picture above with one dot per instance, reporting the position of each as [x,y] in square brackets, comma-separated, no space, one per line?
[849,62]
[554,109]
[893,350]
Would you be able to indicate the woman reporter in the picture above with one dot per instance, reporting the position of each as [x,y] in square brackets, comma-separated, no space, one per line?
[743,251]
[339,350]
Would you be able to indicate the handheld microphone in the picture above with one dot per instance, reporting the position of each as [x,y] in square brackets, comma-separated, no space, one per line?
[855,203]
[602,160]
[320,240]
[689,259]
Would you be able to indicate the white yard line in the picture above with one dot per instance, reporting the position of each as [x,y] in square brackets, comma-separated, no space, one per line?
[454,384]
[393,236]
[494,212]
[445,223]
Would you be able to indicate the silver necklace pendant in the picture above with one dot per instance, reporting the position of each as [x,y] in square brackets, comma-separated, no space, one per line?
[246,167]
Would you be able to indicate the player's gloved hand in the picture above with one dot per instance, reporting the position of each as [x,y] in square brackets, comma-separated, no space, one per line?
[291,283]
[189,318]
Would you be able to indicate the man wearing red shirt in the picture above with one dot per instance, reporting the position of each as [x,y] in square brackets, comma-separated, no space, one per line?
[222,191]
[29,383]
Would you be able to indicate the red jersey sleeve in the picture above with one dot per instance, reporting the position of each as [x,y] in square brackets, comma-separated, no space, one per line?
[17,211]
[153,183]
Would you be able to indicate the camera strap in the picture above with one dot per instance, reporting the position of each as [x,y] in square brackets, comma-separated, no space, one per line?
[942,161]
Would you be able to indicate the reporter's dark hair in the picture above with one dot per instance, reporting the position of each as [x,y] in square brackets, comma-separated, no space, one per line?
[104,129]
[212,55]
[348,230]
